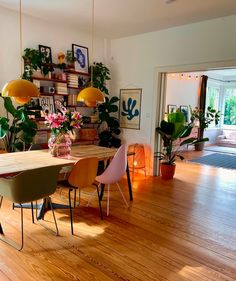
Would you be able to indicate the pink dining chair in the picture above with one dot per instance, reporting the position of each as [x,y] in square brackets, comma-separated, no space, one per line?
[114,172]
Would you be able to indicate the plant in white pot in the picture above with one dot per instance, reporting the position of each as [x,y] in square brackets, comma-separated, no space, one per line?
[170,131]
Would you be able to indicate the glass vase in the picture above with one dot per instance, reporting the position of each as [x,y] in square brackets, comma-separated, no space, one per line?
[60,145]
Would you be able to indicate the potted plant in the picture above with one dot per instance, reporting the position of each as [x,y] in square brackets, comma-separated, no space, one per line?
[170,131]
[109,125]
[203,120]
[18,133]
[70,59]
[34,59]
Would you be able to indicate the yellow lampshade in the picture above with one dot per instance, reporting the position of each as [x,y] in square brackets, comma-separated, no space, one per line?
[90,96]
[20,89]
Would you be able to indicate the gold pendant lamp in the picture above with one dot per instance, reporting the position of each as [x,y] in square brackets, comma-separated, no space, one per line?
[20,90]
[91,95]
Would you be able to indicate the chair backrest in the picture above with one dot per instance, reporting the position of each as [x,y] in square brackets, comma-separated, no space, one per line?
[83,172]
[30,185]
[116,169]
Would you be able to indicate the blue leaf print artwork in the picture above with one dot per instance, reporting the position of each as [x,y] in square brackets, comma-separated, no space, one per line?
[128,110]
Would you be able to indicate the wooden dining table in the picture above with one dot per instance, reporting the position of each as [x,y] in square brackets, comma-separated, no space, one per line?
[11,163]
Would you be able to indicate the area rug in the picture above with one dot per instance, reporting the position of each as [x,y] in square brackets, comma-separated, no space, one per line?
[218,160]
[221,149]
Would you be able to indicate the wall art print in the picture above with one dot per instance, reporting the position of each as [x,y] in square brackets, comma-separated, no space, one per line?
[80,54]
[130,108]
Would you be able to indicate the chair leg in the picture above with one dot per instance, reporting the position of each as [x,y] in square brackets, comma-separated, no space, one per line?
[74,198]
[9,242]
[108,198]
[32,211]
[99,201]
[54,217]
[71,218]
[122,194]
[13,206]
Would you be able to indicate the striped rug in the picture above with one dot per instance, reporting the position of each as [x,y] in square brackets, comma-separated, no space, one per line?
[218,160]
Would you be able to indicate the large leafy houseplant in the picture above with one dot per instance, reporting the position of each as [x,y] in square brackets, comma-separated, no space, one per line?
[203,120]
[17,130]
[170,131]
[109,124]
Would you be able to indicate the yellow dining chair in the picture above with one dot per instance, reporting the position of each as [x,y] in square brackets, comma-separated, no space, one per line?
[82,175]
[27,187]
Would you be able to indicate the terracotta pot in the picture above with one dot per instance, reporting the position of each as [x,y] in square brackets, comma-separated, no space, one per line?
[167,171]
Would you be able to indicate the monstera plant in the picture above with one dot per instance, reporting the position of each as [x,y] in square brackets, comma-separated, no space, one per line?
[17,130]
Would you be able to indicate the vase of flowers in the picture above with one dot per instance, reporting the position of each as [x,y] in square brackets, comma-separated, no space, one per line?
[62,124]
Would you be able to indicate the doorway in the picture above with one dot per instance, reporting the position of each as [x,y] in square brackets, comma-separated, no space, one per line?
[188,73]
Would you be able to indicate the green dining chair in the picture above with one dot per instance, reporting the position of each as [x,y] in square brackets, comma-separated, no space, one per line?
[28,186]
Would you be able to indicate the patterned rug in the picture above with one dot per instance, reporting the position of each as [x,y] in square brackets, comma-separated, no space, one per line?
[218,160]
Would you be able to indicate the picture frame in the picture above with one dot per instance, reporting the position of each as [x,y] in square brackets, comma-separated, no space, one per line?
[47,104]
[185,110]
[130,108]
[60,103]
[171,108]
[81,56]
[47,52]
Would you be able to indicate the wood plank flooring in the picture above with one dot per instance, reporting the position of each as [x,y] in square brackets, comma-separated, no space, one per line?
[183,229]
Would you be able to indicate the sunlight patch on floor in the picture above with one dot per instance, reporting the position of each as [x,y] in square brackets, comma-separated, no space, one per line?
[90,230]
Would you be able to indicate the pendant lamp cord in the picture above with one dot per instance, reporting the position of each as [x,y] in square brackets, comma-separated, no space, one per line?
[92,43]
[21,62]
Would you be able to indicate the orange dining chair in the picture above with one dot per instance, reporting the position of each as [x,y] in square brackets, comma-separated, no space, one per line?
[82,175]
[114,172]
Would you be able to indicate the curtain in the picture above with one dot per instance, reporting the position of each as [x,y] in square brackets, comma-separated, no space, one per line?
[203,89]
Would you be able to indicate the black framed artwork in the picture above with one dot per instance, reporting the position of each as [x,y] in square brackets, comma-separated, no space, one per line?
[47,53]
[171,108]
[81,56]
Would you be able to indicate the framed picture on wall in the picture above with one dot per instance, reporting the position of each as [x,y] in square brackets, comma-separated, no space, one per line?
[184,109]
[81,57]
[47,104]
[130,108]
[171,108]
[46,51]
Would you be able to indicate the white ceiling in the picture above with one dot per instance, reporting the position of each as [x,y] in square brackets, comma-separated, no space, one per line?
[120,18]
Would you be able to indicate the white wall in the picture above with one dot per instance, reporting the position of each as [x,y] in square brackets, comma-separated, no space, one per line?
[182,91]
[134,60]
[36,31]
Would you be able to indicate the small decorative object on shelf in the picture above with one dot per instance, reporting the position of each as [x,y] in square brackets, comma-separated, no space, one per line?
[61,124]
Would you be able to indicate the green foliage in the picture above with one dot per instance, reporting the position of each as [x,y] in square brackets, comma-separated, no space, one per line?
[170,131]
[204,119]
[33,61]
[18,133]
[108,137]
[69,57]
[100,75]
[230,110]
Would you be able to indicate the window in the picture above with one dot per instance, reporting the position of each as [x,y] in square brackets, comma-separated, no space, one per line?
[213,98]
[230,106]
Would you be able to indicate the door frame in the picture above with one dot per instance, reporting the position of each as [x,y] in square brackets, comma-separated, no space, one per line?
[159,95]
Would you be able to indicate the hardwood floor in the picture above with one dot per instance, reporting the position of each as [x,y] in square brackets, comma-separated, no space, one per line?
[183,229]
